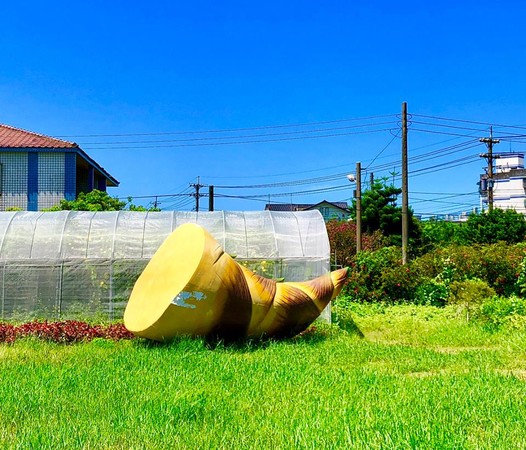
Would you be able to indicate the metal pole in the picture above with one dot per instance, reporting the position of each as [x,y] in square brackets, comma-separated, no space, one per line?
[405,199]
[210,198]
[358,207]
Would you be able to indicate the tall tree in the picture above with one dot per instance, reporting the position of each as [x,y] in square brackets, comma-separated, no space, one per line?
[380,211]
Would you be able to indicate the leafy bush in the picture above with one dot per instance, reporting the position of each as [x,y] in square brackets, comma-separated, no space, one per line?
[498,225]
[521,278]
[365,279]
[399,283]
[96,200]
[469,294]
[431,293]
[497,264]
[380,276]
[499,311]
[442,233]
[342,239]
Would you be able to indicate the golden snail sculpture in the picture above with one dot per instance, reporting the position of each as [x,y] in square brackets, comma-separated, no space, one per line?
[192,287]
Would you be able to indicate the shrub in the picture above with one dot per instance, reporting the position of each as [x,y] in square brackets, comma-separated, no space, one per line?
[441,233]
[497,264]
[498,225]
[342,239]
[499,311]
[469,294]
[520,284]
[365,278]
[432,293]
[399,283]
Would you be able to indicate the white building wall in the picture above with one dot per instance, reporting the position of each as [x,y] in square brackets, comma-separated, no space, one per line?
[509,193]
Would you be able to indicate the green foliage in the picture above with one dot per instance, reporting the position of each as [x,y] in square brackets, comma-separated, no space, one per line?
[342,239]
[365,278]
[469,294]
[380,212]
[521,278]
[497,264]
[441,233]
[98,201]
[498,225]
[380,276]
[497,312]
[431,293]
[399,283]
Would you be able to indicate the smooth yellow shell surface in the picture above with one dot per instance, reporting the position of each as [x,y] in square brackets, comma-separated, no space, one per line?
[192,287]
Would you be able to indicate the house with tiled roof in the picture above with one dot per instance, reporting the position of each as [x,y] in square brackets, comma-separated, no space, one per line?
[38,171]
[329,210]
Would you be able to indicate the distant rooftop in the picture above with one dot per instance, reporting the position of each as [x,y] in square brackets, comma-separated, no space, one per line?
[18,139]
[303,206]
[11,137]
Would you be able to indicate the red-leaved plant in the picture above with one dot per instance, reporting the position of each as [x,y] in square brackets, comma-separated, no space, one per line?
[66,331]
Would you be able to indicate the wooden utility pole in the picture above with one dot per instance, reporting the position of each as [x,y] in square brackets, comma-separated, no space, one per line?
[197,186]
[358,207]
[405,196]
[489,156]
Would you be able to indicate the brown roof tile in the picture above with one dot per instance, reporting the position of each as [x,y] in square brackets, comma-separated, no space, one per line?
[11,137]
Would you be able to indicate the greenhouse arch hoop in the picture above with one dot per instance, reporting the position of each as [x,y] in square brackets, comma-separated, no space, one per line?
[72,264]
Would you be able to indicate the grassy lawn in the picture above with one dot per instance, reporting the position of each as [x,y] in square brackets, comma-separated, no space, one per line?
[419,378]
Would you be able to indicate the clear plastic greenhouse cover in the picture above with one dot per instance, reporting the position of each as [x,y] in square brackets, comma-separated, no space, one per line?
[77,264]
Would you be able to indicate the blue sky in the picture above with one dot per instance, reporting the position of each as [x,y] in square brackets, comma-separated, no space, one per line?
[139,85]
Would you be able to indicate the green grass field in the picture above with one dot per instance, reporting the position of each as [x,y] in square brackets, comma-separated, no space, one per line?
[419,378]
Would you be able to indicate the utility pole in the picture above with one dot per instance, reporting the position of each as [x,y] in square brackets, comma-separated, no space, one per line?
[197,186]
[405,196]
[489,156]
[358,207]
[210,198]
[371,180]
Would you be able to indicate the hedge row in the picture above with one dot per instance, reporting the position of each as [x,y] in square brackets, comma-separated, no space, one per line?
[380,276]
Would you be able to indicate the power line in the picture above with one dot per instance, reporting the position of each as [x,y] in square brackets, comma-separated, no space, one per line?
[256,141]
[381,151]
[470,121]
[228,130]
[424,157]
[319,130]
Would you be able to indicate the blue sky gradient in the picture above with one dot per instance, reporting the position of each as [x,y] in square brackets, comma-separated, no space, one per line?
[129,80]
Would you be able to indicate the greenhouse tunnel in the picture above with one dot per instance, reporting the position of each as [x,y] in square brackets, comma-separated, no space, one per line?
[79,264]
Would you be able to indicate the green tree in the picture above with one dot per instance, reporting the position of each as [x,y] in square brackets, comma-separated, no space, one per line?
[498,225]
[98,201]
[441,233]
[380,212]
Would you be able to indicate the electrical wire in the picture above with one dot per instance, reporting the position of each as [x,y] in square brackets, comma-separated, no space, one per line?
[256,141]
[246,136]
[229,130]
[470,121]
